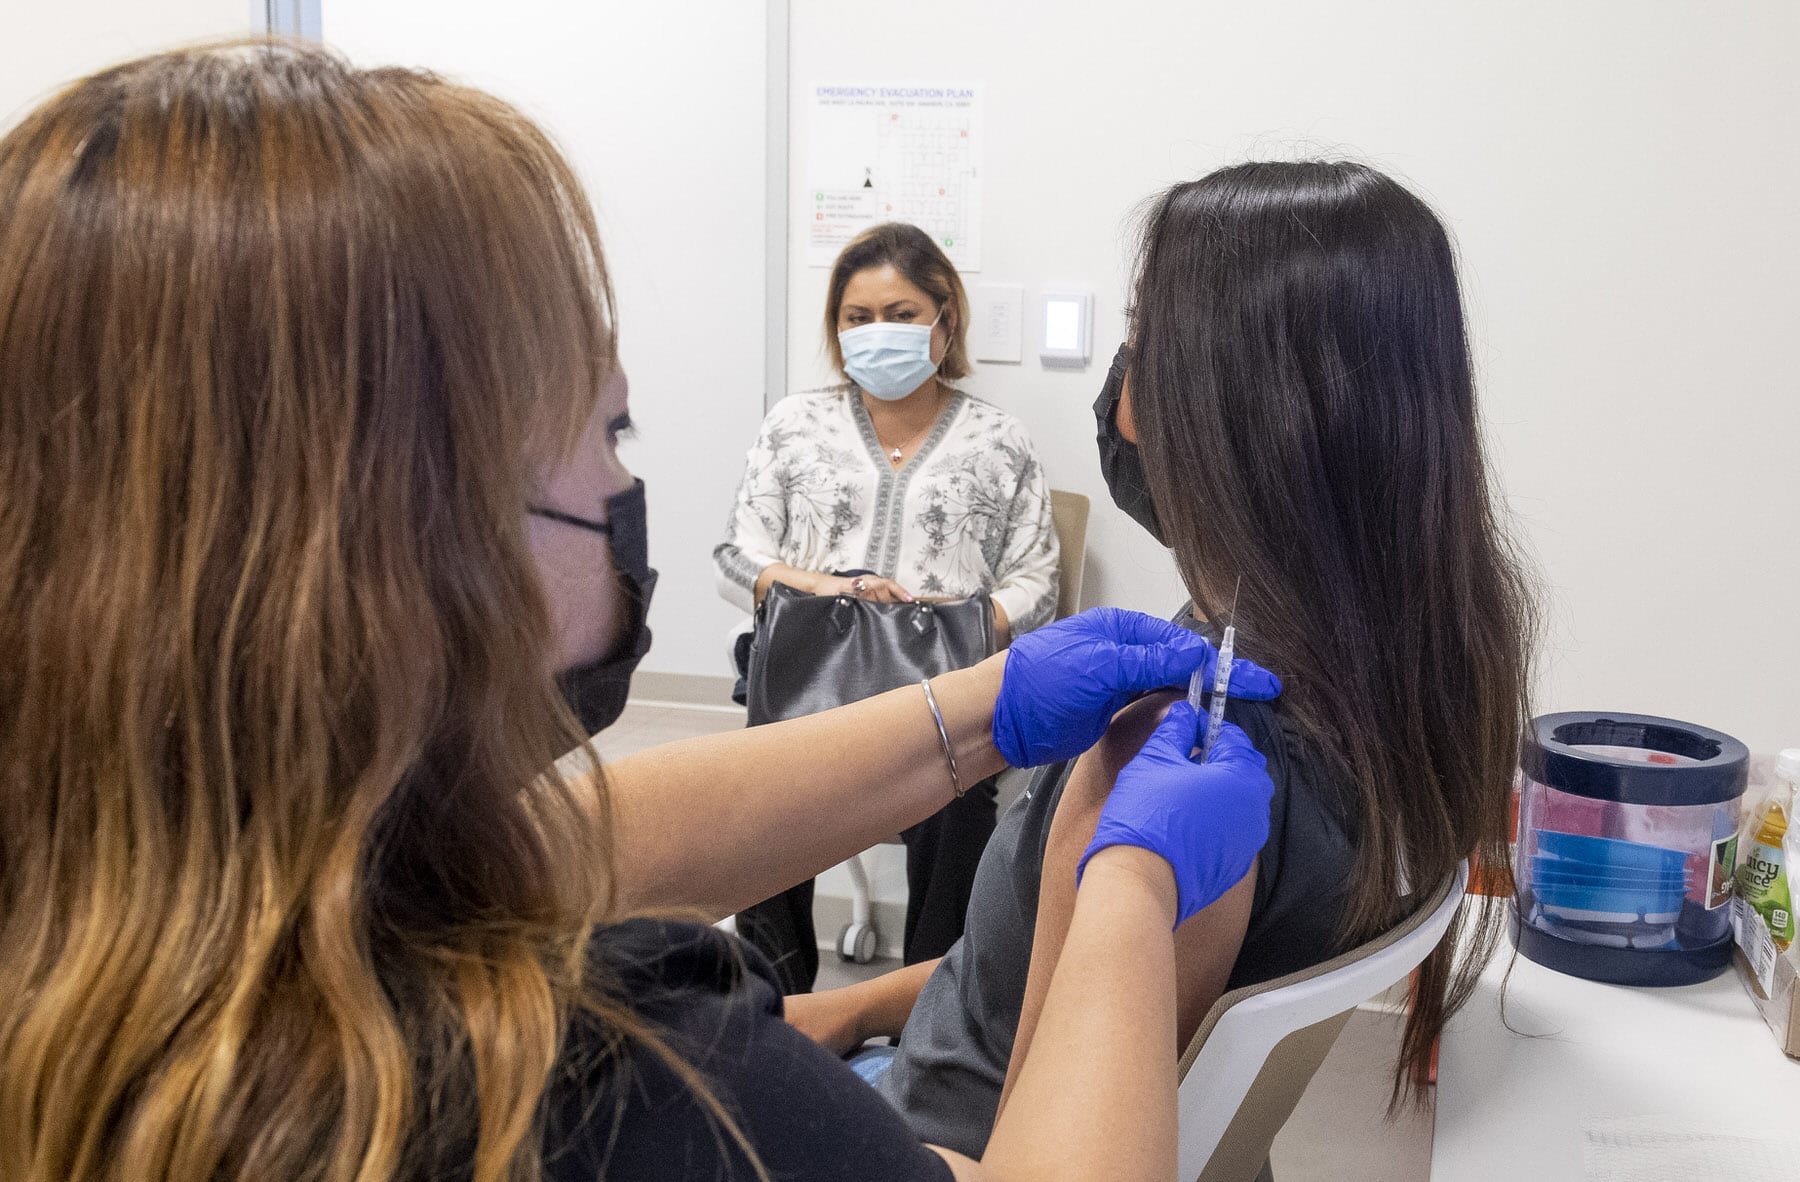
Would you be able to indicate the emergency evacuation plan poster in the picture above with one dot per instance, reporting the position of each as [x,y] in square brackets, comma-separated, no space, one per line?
[894,154]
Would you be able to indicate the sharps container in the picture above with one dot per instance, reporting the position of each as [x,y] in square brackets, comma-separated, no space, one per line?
[1627,847]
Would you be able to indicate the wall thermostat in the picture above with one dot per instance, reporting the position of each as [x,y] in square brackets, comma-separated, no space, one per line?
[1066,321]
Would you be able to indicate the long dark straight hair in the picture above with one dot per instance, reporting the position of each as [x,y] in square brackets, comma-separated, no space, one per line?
[1304,400]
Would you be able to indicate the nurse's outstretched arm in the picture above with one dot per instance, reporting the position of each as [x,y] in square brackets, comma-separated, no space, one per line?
[724,821]
[728,820]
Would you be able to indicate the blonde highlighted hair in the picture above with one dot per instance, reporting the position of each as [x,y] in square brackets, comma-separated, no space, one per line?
[285,346]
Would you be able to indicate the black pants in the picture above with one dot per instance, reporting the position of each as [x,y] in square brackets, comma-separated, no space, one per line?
[942,852]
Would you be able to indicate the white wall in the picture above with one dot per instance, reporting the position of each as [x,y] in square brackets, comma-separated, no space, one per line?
[661,108]
[45,44]
[1621,177]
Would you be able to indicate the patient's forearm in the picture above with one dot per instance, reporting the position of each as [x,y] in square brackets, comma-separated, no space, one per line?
[886,1002]
[843,1019]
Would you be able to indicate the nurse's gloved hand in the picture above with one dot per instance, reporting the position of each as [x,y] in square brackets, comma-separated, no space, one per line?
[1208,821]
[1065,681]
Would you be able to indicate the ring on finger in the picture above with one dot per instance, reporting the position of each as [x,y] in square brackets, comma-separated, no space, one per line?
[858,585]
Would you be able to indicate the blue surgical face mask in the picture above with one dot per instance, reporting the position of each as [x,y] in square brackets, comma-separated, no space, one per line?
[888,359]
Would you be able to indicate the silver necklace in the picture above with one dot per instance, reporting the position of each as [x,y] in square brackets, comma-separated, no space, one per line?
[899,449]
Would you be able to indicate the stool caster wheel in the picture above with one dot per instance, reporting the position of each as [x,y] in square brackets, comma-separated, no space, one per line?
[856,943]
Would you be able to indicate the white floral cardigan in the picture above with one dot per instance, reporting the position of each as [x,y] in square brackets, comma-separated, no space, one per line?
[968,514]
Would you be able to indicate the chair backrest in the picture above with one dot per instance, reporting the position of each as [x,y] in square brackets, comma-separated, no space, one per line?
[1069,516]
[1258,1047]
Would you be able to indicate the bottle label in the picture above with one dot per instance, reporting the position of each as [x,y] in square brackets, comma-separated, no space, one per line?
[1760,871]
[1721,872]
[1753,937]
[1763,883]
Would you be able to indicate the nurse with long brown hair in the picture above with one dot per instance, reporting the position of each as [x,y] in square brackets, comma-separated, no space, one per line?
[308,395]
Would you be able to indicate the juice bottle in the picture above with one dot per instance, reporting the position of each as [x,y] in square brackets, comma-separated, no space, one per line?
[1762,869]
[1791,847]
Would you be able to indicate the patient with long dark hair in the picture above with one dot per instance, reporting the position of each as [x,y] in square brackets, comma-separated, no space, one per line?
[1294,416]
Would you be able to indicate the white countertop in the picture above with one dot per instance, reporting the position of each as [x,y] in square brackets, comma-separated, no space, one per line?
[1512,1105]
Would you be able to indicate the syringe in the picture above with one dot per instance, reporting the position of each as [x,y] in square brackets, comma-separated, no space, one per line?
[1215,718]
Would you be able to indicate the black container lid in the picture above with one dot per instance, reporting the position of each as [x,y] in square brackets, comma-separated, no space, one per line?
[1549,756]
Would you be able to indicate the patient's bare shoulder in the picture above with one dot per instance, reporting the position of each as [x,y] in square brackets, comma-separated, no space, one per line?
[1131,728]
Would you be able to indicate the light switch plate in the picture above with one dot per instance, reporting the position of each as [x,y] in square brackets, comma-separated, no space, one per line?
[998,330]
[1066,327]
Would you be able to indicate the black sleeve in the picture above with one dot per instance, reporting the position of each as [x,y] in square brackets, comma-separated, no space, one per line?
[714,1001]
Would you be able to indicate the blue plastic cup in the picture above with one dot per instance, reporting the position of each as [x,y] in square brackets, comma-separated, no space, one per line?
[1609,851]
[1600,874]
[1609,901]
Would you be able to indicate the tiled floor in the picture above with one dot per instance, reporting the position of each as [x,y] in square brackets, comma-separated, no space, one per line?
[1340,1131]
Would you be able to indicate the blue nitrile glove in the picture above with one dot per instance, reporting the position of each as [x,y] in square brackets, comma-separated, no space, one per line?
[1208,821]
[1065,681]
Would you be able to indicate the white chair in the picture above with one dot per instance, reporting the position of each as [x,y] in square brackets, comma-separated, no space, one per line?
[1258,1047]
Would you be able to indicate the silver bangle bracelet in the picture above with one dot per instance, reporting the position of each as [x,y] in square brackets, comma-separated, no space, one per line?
[943,735]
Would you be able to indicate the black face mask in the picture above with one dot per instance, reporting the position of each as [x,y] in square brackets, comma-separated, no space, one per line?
[596,691]
[1120,462]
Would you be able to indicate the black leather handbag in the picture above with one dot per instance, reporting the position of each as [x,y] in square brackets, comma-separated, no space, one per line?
[813,652]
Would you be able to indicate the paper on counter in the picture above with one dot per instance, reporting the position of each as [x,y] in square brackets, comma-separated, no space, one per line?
[1666,1149]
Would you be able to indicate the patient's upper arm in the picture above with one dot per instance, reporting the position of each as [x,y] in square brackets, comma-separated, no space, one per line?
[1206,946]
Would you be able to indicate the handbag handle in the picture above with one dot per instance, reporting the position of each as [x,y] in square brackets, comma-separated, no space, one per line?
[922,618]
